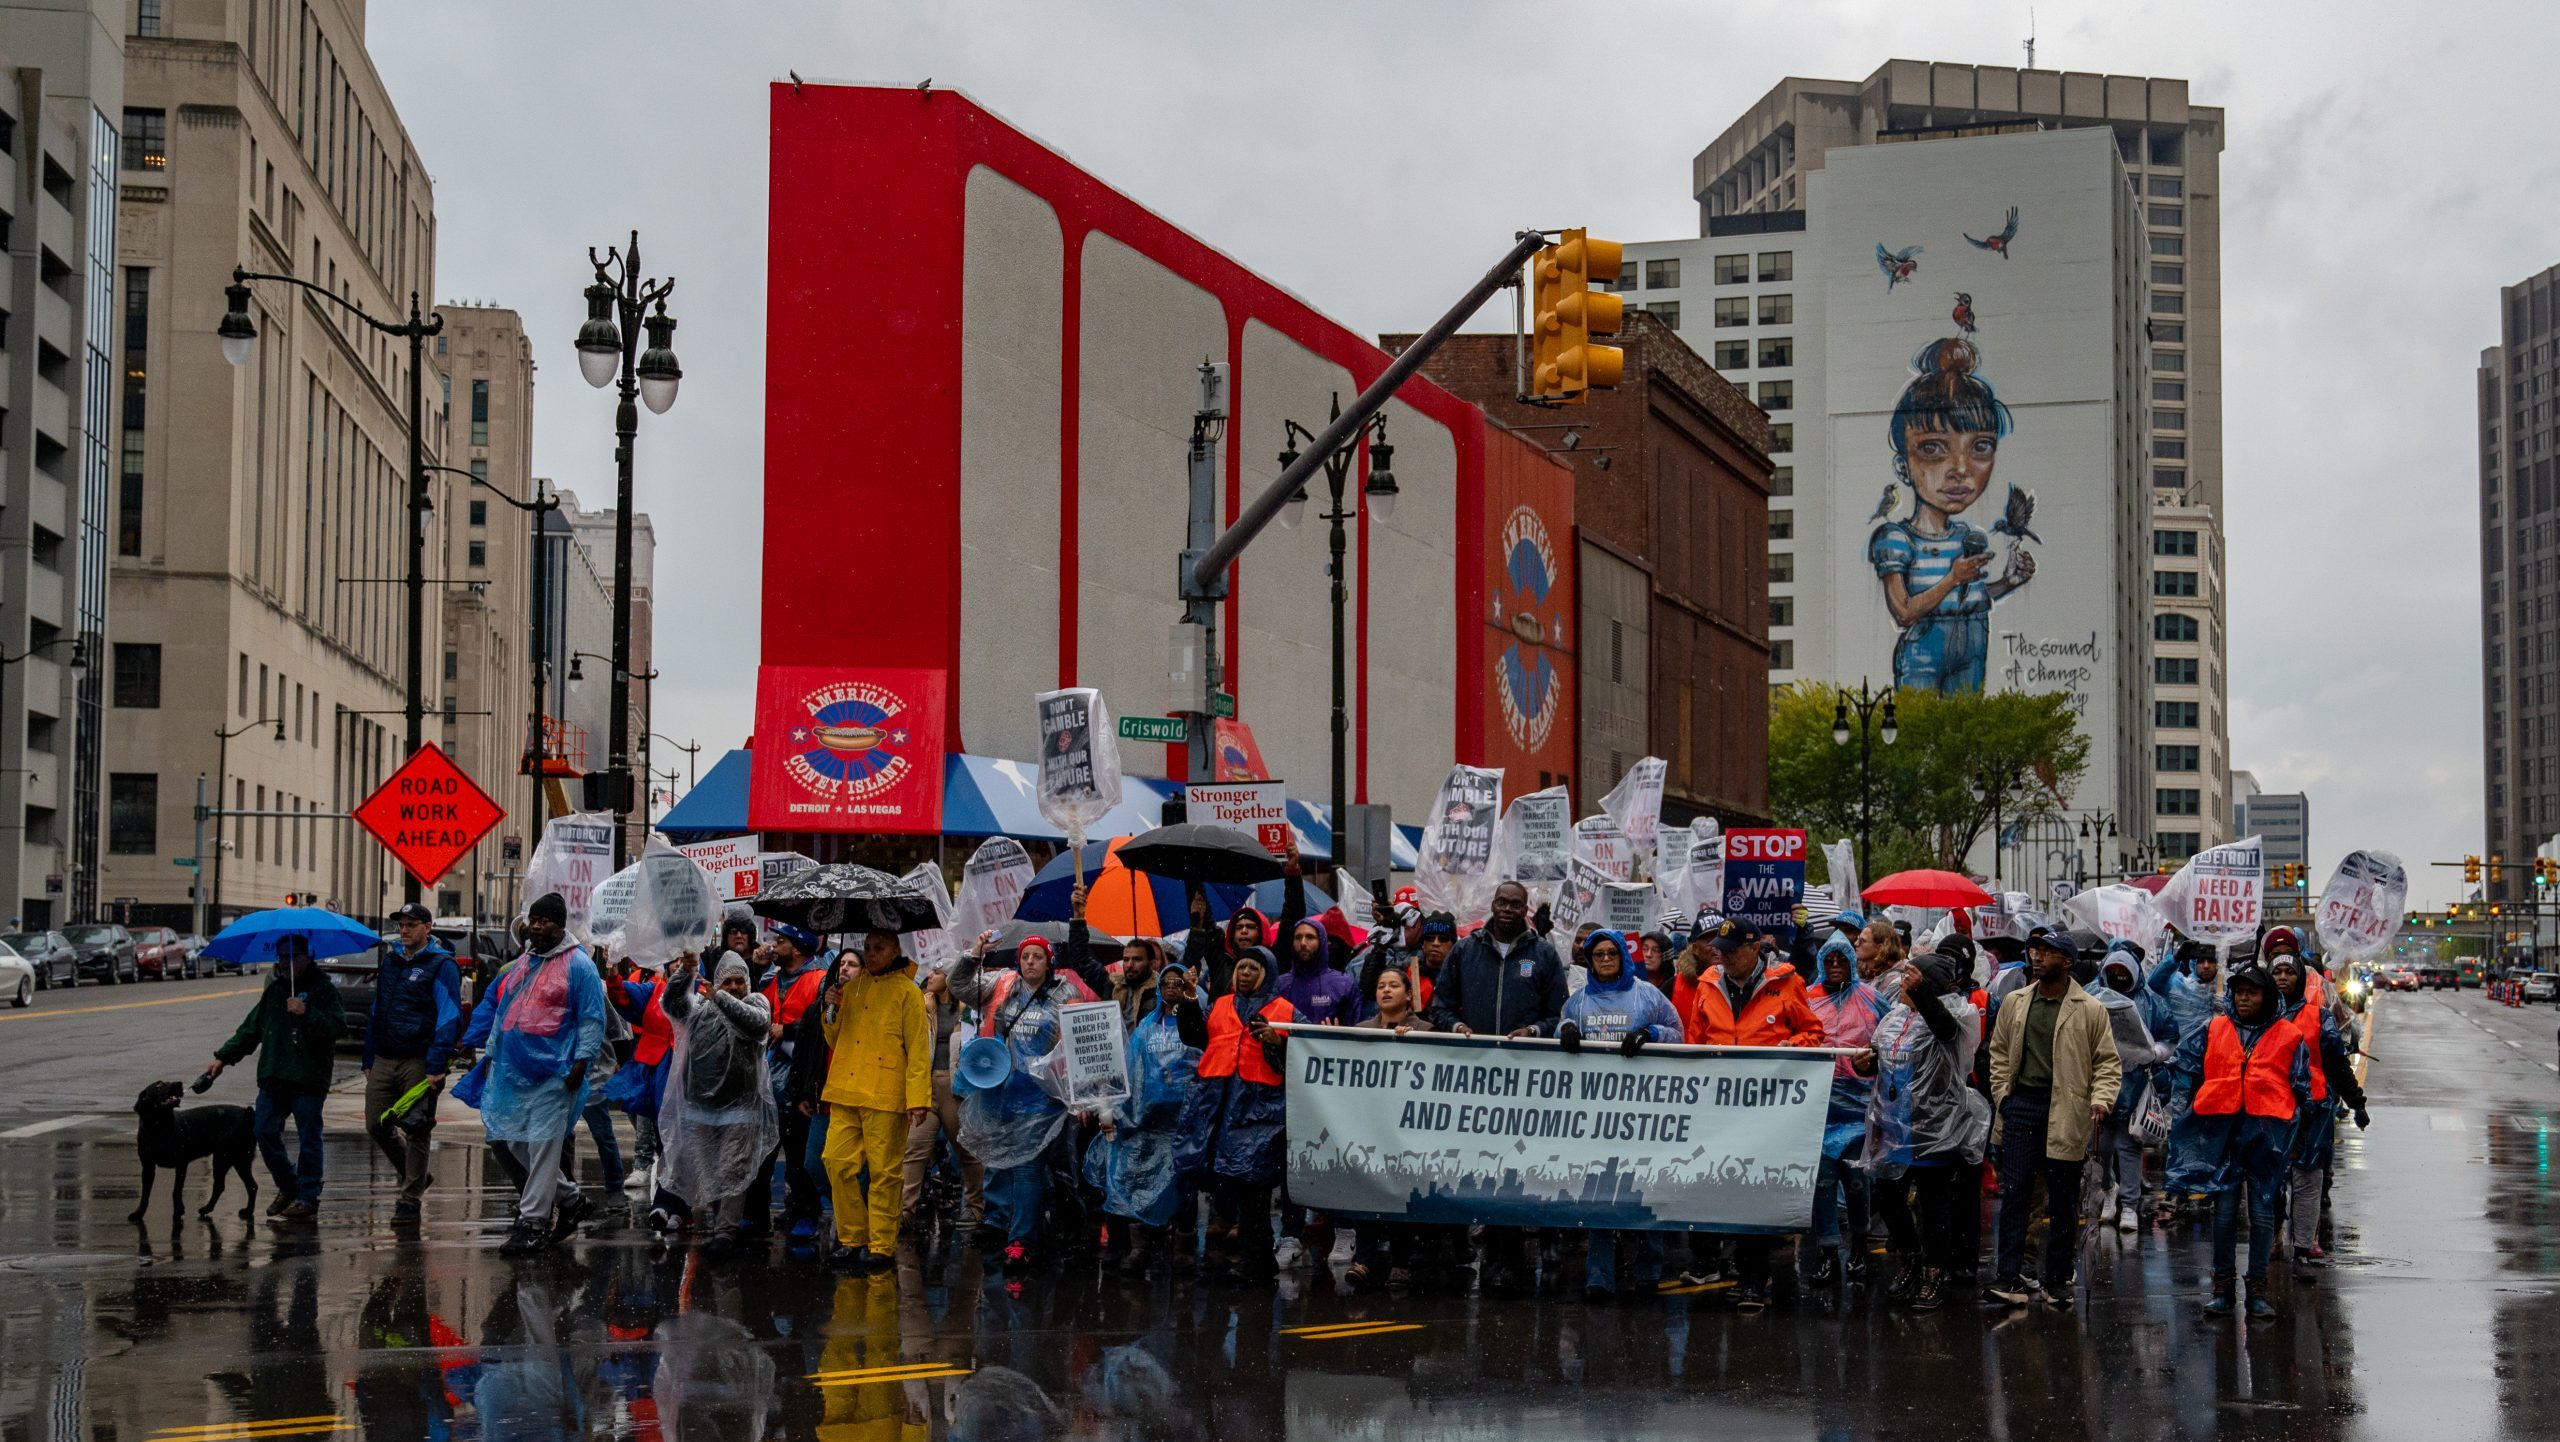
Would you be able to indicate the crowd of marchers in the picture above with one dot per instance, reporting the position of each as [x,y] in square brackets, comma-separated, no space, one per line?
[793,1101]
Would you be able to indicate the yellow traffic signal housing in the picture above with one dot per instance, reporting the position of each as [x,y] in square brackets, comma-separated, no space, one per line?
[1565,366]
[2471,869]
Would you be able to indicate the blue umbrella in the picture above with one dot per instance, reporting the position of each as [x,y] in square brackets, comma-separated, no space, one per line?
[1051,889]
[253,938]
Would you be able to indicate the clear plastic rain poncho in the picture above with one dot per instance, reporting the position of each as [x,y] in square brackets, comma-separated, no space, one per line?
[1134,1169]
[1010,1124]
[717,1124]
[550,1018]
[1921,1106]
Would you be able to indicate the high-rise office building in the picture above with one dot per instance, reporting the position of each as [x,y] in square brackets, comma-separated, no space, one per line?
[1752,186]
[261,510]
[2519,396]
[59,400]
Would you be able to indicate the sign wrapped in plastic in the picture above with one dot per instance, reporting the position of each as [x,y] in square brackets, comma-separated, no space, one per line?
[1097,1054]
[1079,760]
[991,885]
[1635,803]
[572,858]
[2361,907]
[1536,846]
[1602,842]
[1578,899]
[1456,873]
[656,909]
[932,948]
[1628,906]
[2220,894]
[1702,890]
[1841,859]
[2118,913]
[1671,869]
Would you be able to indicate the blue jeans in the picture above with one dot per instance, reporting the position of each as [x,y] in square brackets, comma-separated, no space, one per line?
[1014,1195]
[302,1178]
[2262,1228]
[1835,1178]
[1602,1269]
[608,1152]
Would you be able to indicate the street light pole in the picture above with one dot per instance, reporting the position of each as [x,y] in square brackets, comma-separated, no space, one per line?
[239,334]
[609,354]
[537,750]
[222,782]
[2098,828]
[1876,706]
[1380,494]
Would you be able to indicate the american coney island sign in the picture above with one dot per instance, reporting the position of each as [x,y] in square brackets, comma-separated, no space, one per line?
[847,749]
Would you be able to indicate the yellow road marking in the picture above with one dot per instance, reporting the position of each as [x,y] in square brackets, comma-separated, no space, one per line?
[927,1375]
[1341,1331]
[130,1005]
[1683,1289]
[271,1427]
[876,1374]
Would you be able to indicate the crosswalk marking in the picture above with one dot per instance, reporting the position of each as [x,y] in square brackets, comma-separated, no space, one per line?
[2445,1122]
[37,1129]
[1685,1289]
[901,1372]
[1343,1330]
[272,1427]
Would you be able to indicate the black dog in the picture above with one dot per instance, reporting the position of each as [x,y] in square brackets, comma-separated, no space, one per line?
[172,1138]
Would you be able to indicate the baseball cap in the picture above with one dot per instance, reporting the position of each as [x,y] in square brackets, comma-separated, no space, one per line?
[1731,933]
[412,911]
[805,940]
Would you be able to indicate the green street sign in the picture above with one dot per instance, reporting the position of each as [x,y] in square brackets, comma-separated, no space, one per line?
[188,862]
[1153,728]
[1226,703]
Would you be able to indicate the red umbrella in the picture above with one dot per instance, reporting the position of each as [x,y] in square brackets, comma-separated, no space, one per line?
[1924,888]
[2150,881]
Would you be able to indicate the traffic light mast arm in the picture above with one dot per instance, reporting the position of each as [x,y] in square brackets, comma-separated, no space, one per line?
[1203,576]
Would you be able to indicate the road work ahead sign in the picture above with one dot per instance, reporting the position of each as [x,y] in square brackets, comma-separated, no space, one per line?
[429,814]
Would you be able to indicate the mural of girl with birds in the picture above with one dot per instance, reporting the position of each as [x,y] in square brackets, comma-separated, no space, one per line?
[1933,564]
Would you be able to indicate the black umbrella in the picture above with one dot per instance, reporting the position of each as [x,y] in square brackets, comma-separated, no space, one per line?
[1004,951]
[846,897]
[1200,851]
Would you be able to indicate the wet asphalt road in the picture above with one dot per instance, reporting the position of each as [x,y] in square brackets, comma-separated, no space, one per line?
[2442,1319]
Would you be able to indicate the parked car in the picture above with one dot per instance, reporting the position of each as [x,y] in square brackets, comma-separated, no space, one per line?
[2541,986]
[17,978]
[48,954]
[161,955]
[105,951]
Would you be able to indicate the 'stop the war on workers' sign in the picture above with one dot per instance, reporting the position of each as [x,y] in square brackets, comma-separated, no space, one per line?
[428,814]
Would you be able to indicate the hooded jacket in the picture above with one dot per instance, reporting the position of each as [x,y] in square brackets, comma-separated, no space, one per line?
[1313,988]
[2217,1153]
[1773,1013]
[1604,1011]
[880,1042]
[297,1051]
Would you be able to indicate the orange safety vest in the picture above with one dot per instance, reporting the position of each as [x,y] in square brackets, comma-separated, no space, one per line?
[1070,991]
[1227,1055]
[2258,1081]
[2307,1023]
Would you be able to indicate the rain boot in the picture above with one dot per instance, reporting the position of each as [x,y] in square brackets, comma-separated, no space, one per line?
[2220,1306]
[1931,1293]
[2260,1309]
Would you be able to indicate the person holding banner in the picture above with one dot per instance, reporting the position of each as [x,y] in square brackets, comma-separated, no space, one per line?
[879,1083]
[1745,999]
[1617,1008]
[1017,1129]
[1849,1009]
[1132,1161]
[1233,1127]
[2248,1078]
[2054,1078]
[1312,987]
[1505,980]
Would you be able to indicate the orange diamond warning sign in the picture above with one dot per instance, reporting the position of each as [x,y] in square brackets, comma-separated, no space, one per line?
[429,814]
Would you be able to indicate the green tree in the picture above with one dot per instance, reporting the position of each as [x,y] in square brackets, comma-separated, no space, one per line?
[1955,764]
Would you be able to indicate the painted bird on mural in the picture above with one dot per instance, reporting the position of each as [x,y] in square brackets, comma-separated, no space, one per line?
[1999,243]
[1884,503]
[1962,315]
[2018,517]
[1897,265]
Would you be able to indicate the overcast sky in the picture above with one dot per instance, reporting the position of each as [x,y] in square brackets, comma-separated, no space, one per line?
[2387,169]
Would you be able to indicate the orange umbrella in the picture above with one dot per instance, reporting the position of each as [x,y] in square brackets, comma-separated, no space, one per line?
[1121,901]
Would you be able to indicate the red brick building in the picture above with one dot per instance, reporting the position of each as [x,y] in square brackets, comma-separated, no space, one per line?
[1671,522]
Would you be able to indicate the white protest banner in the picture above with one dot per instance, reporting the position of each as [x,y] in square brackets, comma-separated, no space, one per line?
[1079,760]
[1600,841]
[1456,1130]
[1671,867]
[1353,898]
[2120,913]
[1578,899]
[2062,891]
[1841,859]
[735,864]
[1456,871]
[1635,803]
[2361,907]
[1096,1051]
[1703,889]
[572,858]
[669,907]
[932,948]
[2219,894]
[991,887]
[1628,906]
[1534,848]
[1259,809]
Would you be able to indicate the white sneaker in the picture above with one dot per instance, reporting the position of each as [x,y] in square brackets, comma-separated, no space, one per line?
[2126,1221]
[1290,1253]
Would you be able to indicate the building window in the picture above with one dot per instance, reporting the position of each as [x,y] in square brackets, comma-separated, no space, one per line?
[137,378]
[1626,279]
[1778,351]
[2173,626]
[2168,476]
[1731,355]
[2169,390]
[479,554]
[1666,311]
[2175,758]
[2173,215]
[1782,655]
[2177,845]
[2168,449]
[2168,419]
[480,413]
[2173,543]
[1662,274]
[146,17]
[1782,525]
[146,139]
[1777,265]
[2173,583]
[2168,303]
[452,665]
[1782,481]
[1782,567]
[2168,147]
[1782,438]
[2178,801]
[2168,332]
[2167,187]
[2173,670]
[2168,275]
[2171,361]
[479,513]
[1732,269]
[2170,245]
[1782,610]
[1777,310]
[1777,395]
[137,675]
[133,813]
[1733,310]
[2176,715]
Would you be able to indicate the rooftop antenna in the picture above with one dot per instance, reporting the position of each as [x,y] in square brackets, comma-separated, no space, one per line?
[2031,37]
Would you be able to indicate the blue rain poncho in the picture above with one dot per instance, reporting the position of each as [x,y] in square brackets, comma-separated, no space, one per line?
[550,1017]
[1921,1108]
[1134,1167]
[2191,1003]
[1605,1011]
[1233,1128]
[1010,1124]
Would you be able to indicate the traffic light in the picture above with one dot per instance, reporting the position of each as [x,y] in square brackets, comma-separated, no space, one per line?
[1564,365]
[2301,877]
[2471,870]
